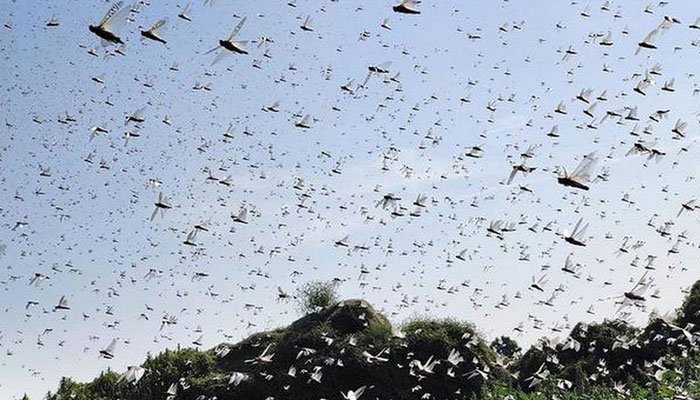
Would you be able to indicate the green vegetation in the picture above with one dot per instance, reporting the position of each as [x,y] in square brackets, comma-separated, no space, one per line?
[506,347]
[317,295]
[339,346]
[690,311]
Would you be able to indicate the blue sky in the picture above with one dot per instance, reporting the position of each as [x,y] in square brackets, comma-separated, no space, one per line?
[99,252]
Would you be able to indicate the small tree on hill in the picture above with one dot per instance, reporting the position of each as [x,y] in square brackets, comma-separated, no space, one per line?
[316,295]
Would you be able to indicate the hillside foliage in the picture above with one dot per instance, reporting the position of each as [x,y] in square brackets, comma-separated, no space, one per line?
[348,345]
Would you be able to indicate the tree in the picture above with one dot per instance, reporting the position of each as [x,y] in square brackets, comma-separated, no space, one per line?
[506,346]
[690,310]
[317,295]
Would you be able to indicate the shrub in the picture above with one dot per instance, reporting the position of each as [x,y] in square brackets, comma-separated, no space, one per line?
[506,347]
[316,295]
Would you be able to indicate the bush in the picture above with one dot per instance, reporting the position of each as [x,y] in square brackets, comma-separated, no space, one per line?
[506,347]
[437,336]
[316,295]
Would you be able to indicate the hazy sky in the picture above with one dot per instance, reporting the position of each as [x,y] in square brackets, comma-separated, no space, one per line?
[86,225]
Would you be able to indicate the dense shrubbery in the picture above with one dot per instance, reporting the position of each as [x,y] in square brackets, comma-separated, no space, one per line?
[610,360]
[506,347]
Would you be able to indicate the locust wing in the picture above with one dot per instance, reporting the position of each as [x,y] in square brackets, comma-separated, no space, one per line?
[583,171]
[237,29]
